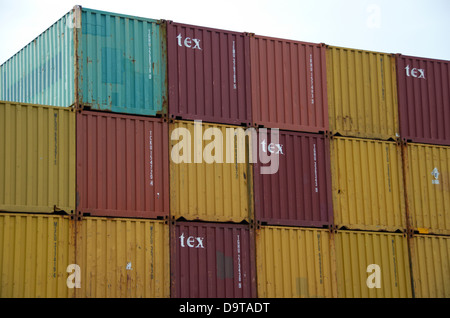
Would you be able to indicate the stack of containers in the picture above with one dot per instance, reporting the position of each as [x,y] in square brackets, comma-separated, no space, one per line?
[424,112]
[145,158]
[371,245]
[292,180]
[211,218]
[96,156]
[37,199]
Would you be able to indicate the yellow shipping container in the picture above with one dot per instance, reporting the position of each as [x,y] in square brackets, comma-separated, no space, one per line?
[362,93]
[210,174]
[37,158]
[123,258]
[430,258]
[368,189]
[372,265]
[295,263]
[428,188]
[35,253]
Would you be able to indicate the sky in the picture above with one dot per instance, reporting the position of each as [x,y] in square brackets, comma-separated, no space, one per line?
[410,27]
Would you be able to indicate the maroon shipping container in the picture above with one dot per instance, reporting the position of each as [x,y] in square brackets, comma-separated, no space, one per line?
[289,84]
[299,193]
[208,74]
[212,260]
[424,99]
[122,165]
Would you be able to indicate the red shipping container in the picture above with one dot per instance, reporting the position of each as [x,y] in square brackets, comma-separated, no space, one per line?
[289,84]
[208,74]
[299,193]
[424,99]
[122,165]
[212,260]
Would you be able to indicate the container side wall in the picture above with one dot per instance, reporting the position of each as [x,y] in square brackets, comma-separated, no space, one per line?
[372,265]
[429,188]
[424,99]
[295,263]
[289,88]
[208,74]
[298,190]
[431,266]
[123,258]
[122,165]
[368,189]
[212,260]
[35,252]
[43,71]
[362,94]
[37,161]
[210,174]
[123,64]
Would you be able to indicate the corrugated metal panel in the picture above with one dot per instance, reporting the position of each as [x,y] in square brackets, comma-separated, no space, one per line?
[35,251]
[428,188]
[123,63]
[123,258]
[209,74]
[122,165]
[431,266]
[289,84]
[364,259]
[295,263]
[368,188]
[37,160]
[217,191]
[299,193]
[103,60]
[43,71]
[362,93]
[212,260]
[424,99]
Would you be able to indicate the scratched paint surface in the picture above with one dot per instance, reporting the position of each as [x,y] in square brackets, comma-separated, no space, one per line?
[368,187]
[295,262]
[212,260]
[358,253]
[362,93]
[123,258]
[35,252]
[123,63]
[37,158]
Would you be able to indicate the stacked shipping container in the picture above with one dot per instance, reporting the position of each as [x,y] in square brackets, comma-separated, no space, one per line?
[195,162]
[107,167]
[292,180]
[210,175]
[424,112]
[367,175]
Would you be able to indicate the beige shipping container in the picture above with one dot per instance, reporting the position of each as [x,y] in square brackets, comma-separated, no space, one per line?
[35,253]
[362,93]
[123,258]
[295,263]
[372,265]
[368,187]
[428,187]
[210,174]
[430,258]
[37,158]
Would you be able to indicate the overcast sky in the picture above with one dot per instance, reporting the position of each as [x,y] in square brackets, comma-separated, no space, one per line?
[411,27]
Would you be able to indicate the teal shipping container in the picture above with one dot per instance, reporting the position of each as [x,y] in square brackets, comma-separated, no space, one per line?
[92,59]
